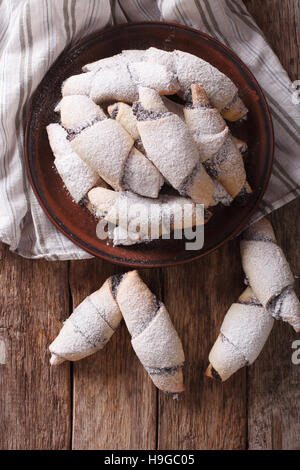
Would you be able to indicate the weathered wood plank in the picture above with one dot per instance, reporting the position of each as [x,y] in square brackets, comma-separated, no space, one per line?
[211,415]
[208,415]
[273,381]
[280,23]
[114,400]
[34,400]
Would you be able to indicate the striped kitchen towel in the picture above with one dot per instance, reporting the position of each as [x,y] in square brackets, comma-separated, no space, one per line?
[32,35]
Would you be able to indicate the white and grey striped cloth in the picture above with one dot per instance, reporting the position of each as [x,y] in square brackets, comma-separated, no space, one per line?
[32,35]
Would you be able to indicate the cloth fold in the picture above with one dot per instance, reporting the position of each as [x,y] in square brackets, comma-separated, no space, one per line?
[32,35]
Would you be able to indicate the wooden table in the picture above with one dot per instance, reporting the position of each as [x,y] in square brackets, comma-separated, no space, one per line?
[107,401]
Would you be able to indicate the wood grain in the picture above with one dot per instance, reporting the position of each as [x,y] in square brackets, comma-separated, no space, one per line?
[208,415]
[280,23]
[114,401]
[34,400]
[273,381]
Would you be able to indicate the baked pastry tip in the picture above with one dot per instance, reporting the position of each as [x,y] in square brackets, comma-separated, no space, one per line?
[219,153]
[153,336]
[269,273]
[243,333]
[89,328]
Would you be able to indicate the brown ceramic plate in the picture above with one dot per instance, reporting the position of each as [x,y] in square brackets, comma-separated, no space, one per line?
[73,220]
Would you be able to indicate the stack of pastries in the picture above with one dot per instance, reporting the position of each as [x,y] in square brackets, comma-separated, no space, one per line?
[120,140]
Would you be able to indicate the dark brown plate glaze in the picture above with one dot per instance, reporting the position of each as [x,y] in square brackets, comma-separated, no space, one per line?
[73,220]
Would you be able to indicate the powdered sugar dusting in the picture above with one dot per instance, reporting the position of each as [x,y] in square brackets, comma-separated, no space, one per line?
[170,147]
[247,327]
[156,76]
[185,67]
[105,146]
[122,113]
[121,236]
[158,345]
[113,83]
[87,330]
[78,84]
[269,274]
[154,338]
[230,168]
[100,150]
[208,129]
[78,112]
[243,333]
[217,149]
[142,213]
[77,176]
[191,69]
[141,176]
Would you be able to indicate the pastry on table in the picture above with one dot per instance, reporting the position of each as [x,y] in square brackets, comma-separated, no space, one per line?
[188,69]
[89,328]
[218,152]
[105,146]
[243,333]
[153,336]
[268,273]
[78,177]
[170,146]
[138,214]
